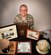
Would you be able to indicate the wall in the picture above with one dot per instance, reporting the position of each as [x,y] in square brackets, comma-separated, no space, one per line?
[39,9]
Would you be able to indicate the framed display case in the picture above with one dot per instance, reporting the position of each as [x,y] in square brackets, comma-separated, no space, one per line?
[32,34]
[8,32]
[24,47]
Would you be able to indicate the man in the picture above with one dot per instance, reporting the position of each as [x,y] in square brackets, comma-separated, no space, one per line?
[24,17]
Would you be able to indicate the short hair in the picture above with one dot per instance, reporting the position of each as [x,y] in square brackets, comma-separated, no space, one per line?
[23,5]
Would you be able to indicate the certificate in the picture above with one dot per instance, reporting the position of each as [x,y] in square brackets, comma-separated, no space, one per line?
[24,47]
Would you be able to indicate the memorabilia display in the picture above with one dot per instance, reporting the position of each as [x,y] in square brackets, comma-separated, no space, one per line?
[24,47]
[8,32]
[32,44]
[12,49]
[33,34]
[43,46]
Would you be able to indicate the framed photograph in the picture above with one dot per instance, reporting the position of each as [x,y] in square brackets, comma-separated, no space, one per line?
[24,47]
[33,34]
[8,32]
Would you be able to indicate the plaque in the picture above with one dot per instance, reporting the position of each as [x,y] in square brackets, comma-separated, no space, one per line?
[22,29]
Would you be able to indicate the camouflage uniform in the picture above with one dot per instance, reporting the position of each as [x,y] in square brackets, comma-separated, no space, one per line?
[29,21]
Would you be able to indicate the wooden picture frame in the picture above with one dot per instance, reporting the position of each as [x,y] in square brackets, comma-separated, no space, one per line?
[24,47]
[33,34]
[8,32]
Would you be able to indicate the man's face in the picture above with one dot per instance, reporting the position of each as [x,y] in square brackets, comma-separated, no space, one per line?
[23,11]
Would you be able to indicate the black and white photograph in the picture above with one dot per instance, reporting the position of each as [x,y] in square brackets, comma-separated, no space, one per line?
[8,32]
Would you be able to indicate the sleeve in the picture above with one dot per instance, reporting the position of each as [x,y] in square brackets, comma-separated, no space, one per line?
[15,20]
[31,23]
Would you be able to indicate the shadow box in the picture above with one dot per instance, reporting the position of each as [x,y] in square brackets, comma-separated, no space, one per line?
[8,32]
[24,47]
[33,34]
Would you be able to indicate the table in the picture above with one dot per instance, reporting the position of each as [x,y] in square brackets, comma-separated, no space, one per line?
[34,52]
